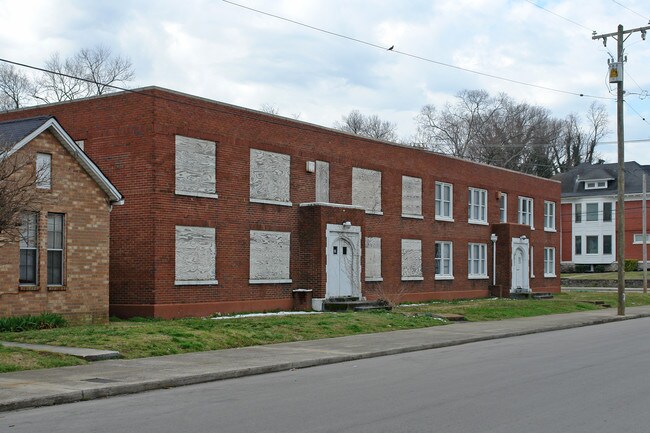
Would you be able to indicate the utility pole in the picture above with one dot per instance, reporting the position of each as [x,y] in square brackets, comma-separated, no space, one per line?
[616,76]
[645,239]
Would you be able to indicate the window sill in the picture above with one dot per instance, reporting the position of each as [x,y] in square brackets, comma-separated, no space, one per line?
[412,278]
[478,222]
[56,288]
[28,288]
[550,276]
[278,203]
[417,217]
[374,279]
[280,281]
[196,283]
[445,219]
[374,212]
[444,277]
[550,230]
[197,194]
[478,277]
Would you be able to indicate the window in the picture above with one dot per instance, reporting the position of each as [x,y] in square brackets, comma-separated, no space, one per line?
[526,211]
[503,207]
[444,201]
[444,261]
[366,190]
[592,244]
[598,184]
[607,244]
[43,170]
[269,177]
[549,262]
[578,212]
[270,254]
[28,248]
[638,238]
[196,164]
[532,260]
[549,216]
[55,244]
[607,211]
[412,260]
[477,206]
[592,212]
[195,255]
[578,244]
[373,259]
[477,260]
[411,197]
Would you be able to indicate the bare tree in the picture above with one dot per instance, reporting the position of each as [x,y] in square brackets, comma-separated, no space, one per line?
[370,126]
[89,72]
[503,132]
[18,193]
[15,88]
[269,108]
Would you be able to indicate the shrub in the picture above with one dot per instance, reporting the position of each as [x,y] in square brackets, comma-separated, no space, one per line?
[28,323]
[631,265]
[599,268]
[581,269]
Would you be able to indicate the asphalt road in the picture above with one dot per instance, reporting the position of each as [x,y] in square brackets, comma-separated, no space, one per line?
[592,379]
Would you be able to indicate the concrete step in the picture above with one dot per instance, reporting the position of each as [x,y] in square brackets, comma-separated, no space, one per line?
[336,304]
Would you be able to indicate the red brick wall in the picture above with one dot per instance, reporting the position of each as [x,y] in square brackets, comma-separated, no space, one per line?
[634,225]
[131,137]
[84,295]
[566,219]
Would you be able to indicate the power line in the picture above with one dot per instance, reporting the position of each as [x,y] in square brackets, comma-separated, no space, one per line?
[560,16]
[633,11]
[638,114]
[414,56]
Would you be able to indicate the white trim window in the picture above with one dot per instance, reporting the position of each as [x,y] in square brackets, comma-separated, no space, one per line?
[549,262]
[596,184]
[592,212]
[476,261]
[526,211]
[444,260]
[532,262]
[43,171]
[477,206]
[549,216]
[55,249]
[29,249]
[503,207]
[444,201]
[592,244]
[638,238]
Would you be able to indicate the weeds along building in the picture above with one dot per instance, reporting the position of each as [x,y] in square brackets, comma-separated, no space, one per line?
[229,209]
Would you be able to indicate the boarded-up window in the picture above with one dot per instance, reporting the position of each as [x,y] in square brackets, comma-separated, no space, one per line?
[411,197]
[269,177]
[269,257]
[366,189]
[195,255]
[373,259]
[412,259]
[196,164]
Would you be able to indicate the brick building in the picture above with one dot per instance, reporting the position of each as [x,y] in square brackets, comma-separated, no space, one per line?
[59,261]
[230,209]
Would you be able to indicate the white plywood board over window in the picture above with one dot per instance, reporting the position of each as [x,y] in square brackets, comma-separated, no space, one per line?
[269,177]
[366,189]
[412,260]
[411,197]
[269,257]
[195,167]
[195,255]
[373,259]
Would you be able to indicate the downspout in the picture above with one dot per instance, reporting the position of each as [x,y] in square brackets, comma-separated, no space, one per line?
[493,238]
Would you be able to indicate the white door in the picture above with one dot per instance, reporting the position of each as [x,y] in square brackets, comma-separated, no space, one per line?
[520,278]
[343,261]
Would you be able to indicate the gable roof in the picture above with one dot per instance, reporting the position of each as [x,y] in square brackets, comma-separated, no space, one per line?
[15,134]
[573,184]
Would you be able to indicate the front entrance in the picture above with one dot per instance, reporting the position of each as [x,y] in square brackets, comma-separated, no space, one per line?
[343,261]
[520,254]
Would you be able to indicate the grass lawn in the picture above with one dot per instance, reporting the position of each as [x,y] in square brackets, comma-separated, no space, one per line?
[634,275]
[143,338]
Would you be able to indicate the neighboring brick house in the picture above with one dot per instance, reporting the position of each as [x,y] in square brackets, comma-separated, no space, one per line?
[589,198]
[59,262]
[231,209]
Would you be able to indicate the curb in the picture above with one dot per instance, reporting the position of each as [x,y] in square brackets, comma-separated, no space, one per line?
[194,379]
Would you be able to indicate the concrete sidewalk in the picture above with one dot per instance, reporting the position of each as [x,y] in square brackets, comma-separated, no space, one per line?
[108,378]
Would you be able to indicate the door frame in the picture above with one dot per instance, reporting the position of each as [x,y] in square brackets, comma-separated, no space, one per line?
[521,244]
[352,235]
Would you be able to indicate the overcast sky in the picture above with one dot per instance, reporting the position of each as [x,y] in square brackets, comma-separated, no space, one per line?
[216,50]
